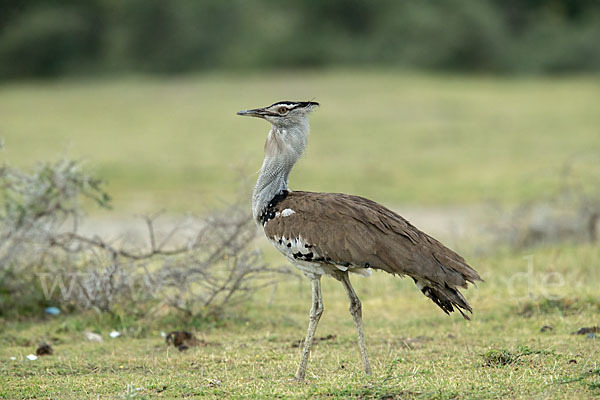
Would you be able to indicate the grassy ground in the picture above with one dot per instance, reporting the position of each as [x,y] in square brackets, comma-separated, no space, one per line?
[416,351]
[397,138]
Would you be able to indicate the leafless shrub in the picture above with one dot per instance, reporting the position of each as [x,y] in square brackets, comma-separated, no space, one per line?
[37,205]
[572,213]
[34,206]
[200,265]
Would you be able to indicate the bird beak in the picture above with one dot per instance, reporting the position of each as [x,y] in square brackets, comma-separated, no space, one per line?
[256,112]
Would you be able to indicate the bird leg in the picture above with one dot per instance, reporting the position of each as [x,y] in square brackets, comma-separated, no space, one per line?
[356,311]
[315,314]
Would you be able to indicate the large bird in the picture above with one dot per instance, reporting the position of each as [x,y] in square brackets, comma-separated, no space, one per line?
[334,234]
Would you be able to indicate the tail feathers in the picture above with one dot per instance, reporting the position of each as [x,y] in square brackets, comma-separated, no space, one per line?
[446,298]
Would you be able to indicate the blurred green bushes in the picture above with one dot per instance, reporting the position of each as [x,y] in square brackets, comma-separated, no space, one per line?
[51,38]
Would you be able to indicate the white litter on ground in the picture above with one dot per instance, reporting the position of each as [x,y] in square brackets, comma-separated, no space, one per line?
[92,337]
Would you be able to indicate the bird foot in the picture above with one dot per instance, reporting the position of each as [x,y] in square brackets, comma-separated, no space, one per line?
[296,379]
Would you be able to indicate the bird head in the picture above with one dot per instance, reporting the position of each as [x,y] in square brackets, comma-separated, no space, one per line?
[284,114]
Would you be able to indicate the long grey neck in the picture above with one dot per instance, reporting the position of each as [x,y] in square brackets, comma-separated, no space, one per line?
[283,148]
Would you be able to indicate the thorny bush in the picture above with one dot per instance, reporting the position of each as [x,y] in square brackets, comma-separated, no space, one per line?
[569,214]
[198,266]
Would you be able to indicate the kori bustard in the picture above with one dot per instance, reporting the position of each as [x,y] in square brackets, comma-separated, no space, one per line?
[334,234]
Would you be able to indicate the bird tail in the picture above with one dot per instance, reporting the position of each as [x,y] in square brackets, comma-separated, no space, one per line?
[446,298]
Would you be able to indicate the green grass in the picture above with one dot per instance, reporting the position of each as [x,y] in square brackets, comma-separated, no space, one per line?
[395,137]
[416,351]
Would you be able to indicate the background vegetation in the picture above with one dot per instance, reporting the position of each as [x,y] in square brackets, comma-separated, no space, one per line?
[478,120]
[41,38]
[177,143]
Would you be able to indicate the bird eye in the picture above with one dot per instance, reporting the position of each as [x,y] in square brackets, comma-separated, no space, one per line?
[282,110]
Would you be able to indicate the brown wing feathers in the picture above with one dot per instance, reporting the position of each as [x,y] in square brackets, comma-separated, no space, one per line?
[351,230]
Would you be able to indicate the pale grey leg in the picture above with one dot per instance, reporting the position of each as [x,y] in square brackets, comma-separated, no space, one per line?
[315,314]
[356,311]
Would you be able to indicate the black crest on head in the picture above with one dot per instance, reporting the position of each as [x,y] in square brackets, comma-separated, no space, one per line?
[295,104]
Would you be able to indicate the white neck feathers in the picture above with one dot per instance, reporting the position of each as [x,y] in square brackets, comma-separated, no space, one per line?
[283,148]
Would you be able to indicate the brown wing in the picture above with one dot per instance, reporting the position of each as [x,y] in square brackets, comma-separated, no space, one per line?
[351,230]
